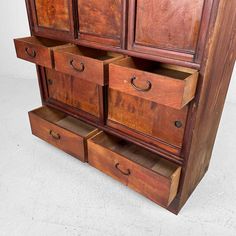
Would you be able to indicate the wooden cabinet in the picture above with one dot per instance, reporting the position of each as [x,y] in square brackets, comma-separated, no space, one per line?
[53,18]
[102,22]
[135,88]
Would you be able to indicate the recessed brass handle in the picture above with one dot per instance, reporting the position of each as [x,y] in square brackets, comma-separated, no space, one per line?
[128,172]
[54,135]
[31,53]
[79,69]
[149,85]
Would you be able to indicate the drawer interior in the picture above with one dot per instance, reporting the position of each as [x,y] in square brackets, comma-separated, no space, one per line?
[63,120]
[166,70]
[38,41]
[100,55]
[136,154]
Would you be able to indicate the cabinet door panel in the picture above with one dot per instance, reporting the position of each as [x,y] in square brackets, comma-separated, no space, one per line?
[166,27]
[149,118]
[102,21]
[53,18]
[53,14]
[73,92]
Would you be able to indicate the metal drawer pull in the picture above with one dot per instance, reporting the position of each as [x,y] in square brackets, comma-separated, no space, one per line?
[30,54]
[50,82]
[54,135]
[149,85]
[80,69]
[124,173]
[178,124]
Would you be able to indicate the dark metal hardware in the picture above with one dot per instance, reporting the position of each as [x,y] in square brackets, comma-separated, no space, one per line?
[54,135]
[124,173]
[149,85]
[80,69]
[178,124]
[31,53]
[50,82]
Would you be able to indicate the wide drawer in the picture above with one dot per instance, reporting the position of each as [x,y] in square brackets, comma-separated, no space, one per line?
[37,50]
[141,170]
[85,63]
[169,85]
[62,131]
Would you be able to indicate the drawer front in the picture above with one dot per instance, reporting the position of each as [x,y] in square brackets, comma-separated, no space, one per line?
[105,161]
[158,88]
[33,53]
[157,121]
[79,66]
[57,136]
[73,91]
[154,186]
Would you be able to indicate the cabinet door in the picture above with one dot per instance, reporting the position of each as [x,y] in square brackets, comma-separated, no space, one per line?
[168,28]
[73,92]
[102,22]
[52,18]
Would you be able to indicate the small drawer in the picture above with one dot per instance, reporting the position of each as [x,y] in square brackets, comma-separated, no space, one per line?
[62,131]
[37,50]
[141,170]
[169,85]
[85,63]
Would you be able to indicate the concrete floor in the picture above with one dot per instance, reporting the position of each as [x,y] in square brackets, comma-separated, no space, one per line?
[44,191]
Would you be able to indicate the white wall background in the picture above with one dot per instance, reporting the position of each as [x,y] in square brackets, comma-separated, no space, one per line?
[14,23]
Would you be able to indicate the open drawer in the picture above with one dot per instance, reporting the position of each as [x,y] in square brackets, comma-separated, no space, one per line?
[169,85]
[62,131]
[141,170]
[37,50]
[85,63]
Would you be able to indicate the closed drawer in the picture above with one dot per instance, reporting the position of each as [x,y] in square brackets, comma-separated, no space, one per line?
[62,131]
[37,50]
[85,63]
[141,170]
[172,86]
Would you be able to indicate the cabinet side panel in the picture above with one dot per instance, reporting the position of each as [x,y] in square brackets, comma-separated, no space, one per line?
[215,73]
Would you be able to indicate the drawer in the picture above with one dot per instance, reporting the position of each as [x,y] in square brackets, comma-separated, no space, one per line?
[169,85]
[133,115]
[85,63]
[62,131]
[141,170]
[37,50]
